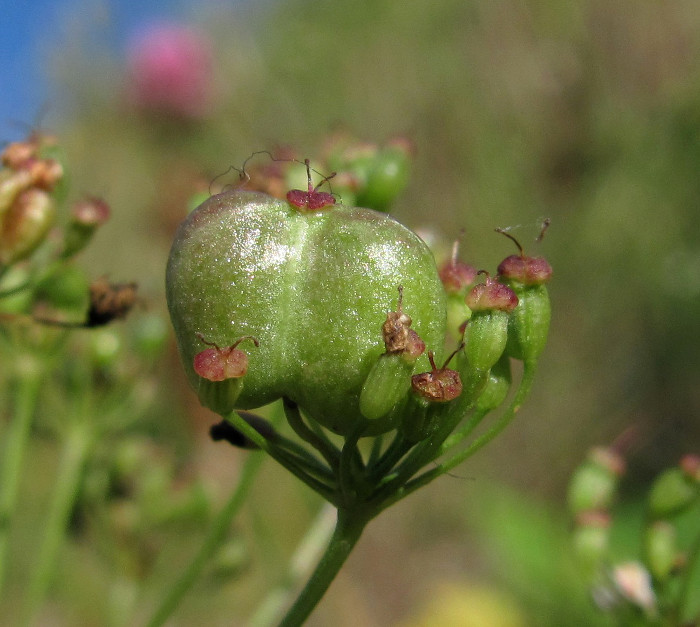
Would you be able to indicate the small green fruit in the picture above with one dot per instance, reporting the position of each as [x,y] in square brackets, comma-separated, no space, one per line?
[486,332]
[529,323]
[594,484]
[661,549]
[672,492]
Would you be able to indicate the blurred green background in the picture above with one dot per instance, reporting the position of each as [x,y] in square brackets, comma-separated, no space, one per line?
[584,112]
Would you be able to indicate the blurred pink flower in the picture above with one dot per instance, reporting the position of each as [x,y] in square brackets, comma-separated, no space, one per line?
[170,71]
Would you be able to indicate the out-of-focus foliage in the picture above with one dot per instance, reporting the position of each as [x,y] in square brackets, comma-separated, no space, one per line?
[585,112]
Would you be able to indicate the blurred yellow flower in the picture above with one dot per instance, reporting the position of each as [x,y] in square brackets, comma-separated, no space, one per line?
[466,605]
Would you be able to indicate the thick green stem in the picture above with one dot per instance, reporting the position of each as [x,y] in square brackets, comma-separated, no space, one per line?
[347,532]
[16,441]
[215,537]
[75,450]
[306,555]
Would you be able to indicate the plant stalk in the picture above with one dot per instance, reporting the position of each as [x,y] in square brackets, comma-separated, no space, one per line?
[75,451]
[214,538]
[348,530]
[16,441]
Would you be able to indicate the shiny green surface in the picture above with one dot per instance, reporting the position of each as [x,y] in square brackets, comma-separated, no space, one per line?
[313,288]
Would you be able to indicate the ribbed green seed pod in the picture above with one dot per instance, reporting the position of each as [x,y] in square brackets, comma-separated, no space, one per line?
[486,333]
[388,381]
[312,286]
[529,323]
[485,338]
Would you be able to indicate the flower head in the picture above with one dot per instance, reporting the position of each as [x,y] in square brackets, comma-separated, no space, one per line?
[170,71]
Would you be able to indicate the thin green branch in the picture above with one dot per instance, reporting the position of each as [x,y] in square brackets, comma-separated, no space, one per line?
[506,418]
[16,441]
[351,463]
[73,457]
[395,451]
[446,417]
[312,464]
[215,537]
[294,464]
[329,452]
[307,553]
[376,451]
[447,465]
[458,436]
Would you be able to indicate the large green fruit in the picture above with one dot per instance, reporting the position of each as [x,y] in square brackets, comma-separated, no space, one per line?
[314,288]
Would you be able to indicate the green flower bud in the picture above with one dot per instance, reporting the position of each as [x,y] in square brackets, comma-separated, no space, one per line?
[660,549]
[25,225]
[150,335]
[672,492]
[105,348]
[422,414]
[591,539]
[312,286]
[66,290]
[418,418]
[594,484]
[529,323]
[387,175]
[15,297]
[387,383]
[486,333]
[86,217]
[357,159]
[439,392]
